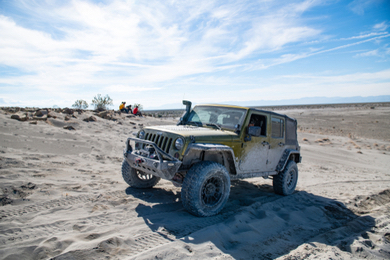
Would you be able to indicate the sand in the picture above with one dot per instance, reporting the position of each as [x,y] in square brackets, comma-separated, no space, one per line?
[63,196]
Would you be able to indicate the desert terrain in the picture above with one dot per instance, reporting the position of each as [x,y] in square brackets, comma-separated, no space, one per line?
[63,197]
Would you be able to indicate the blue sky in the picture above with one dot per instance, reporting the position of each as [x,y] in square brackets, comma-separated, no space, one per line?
[157,53]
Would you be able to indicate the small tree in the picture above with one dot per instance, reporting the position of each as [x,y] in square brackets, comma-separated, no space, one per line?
[140,107]
[80,104]
[101,103]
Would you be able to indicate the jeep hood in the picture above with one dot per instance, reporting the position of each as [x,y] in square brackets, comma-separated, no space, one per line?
[186,131]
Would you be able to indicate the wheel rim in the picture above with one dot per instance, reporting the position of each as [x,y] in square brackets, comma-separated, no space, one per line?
[212,191]
[290,179]
[144,176]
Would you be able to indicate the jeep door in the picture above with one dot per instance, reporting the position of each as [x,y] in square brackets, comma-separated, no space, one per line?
[254,151]
[277,141]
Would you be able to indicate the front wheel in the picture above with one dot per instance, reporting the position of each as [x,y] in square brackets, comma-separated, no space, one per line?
[137,179]
[285,182]
[205,189]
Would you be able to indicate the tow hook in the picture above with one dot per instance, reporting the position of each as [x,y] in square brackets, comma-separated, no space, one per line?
[138,161]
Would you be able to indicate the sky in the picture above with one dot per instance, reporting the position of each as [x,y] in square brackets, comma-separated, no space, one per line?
[158,53]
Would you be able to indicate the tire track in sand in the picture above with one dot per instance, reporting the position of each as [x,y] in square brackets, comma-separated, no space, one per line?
[20,236]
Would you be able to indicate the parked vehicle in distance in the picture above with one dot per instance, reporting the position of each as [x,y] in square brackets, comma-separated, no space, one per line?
[211,145]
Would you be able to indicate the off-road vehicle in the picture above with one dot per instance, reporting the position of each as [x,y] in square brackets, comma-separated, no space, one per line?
[211,145]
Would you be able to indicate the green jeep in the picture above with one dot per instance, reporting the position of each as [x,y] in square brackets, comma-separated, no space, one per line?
[211,145]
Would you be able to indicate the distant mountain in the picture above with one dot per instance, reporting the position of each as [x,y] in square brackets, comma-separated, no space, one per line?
[300,101]
[314,100]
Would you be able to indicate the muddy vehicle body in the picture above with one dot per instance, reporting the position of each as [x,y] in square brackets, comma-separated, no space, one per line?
[211,145]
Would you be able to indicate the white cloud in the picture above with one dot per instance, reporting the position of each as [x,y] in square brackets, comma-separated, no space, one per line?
[365,35]
[139,35]
[381,26]
[272,35]
[368,54]
[361,84]
[360,6]
[80,48]
[128,89]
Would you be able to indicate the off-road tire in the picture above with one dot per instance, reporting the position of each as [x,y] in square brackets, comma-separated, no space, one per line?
[285,182]
[205,189]
[137,179]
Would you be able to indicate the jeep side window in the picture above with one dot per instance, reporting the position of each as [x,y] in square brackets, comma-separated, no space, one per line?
[277,127]
[260,121]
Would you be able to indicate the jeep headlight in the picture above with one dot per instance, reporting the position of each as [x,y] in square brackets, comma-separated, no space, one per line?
[179,143]
[141,134]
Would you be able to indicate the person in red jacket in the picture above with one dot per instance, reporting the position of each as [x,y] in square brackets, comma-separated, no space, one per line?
[136,111]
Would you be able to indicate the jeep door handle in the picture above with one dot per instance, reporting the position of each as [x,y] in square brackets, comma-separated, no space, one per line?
[281,144]
[265,143]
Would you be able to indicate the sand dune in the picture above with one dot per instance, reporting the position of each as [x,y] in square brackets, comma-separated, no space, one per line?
[63,197]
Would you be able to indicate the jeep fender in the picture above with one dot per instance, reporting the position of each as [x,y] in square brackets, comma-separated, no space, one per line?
[219,153]
[287,155]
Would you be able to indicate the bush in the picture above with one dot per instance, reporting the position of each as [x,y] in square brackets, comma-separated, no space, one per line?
[80,104]
[140,107]
[101,103]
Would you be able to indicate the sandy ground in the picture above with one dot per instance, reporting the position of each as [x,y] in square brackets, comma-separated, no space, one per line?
[63,197]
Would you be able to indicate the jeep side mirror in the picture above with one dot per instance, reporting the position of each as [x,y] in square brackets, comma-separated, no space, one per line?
[254,131]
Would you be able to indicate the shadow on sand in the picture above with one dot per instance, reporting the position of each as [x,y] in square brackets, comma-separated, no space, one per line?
[256,223]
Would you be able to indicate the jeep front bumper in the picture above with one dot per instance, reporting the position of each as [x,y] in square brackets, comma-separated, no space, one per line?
[159,163]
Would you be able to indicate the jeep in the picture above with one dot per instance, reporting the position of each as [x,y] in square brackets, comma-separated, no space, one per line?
[210,146]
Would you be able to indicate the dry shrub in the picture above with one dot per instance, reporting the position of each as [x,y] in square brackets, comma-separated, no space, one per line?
[305,140]
[323,141]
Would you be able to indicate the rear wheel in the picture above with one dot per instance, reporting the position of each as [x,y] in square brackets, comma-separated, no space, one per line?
[137,179]
[205,189]
[285,182]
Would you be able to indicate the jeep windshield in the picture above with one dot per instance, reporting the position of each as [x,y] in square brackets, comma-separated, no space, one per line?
[216,117]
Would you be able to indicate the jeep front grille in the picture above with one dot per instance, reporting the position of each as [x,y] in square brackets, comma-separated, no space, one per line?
[163,142]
